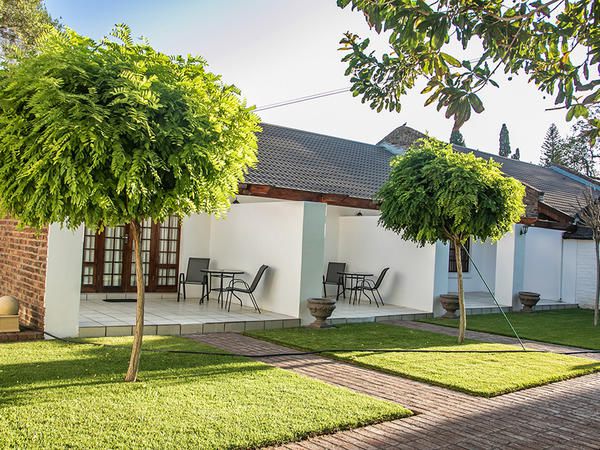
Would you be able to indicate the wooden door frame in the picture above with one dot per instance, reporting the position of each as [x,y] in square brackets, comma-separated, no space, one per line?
[98,264]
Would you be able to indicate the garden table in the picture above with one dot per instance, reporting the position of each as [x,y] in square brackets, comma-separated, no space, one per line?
[356,282]
[221,274]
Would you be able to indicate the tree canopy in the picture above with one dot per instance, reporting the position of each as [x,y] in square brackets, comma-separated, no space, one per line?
[553,147]
[504,142]
[436,194]
[555,43]
[21,23]
[104,133]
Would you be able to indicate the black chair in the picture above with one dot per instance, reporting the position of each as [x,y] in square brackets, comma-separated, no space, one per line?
[333,277]
[246,289]
[194,275]
[373,287]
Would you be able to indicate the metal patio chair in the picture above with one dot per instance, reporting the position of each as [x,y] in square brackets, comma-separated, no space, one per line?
[245,289]
[194,275]
[333,277]
[372,287]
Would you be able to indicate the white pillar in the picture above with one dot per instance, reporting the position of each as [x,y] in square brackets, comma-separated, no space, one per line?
[440,282]
[63,281]
[313,255]
[510,259]
[568,292]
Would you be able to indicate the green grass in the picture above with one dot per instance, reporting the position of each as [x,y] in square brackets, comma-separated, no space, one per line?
[56,395]
[486,374]
[566,327]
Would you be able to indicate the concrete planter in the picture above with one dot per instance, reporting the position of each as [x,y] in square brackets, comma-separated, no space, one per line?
[450,304]
[321,309]
[528,300]
[9,314]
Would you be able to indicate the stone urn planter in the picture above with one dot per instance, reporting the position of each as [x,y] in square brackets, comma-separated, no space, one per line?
[321,309]
[528,300]
[450,304]
[9,314]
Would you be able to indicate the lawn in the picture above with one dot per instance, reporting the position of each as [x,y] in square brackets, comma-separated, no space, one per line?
[567,327]
[484,374]
[56,395]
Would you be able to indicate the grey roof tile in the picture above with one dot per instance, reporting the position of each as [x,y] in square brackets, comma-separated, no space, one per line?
[302,160]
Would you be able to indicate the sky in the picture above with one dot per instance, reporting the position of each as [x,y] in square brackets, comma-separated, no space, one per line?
[277,50]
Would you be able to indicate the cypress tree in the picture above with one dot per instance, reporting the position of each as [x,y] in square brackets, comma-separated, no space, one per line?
[504,142]
[516,155]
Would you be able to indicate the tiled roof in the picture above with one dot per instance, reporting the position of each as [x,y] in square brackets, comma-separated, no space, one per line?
[297,159]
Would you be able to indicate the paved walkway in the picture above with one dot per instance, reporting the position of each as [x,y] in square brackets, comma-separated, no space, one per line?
[559,415]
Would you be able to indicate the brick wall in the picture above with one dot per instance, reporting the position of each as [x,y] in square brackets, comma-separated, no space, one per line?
[531,200]
[23,270]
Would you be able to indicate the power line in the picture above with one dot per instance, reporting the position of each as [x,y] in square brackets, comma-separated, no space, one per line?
[303,99]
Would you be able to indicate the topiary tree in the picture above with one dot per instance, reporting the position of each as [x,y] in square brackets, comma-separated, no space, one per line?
[436,194]
[113,132]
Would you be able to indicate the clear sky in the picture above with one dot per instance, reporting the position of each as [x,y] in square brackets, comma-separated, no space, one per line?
[276,50]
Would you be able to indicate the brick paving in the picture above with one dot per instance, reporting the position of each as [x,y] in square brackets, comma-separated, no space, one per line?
[562,415]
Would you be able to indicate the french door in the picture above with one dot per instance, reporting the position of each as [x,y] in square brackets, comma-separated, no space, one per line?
[109,259]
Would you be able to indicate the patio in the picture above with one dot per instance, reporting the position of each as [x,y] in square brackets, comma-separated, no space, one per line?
[168,317]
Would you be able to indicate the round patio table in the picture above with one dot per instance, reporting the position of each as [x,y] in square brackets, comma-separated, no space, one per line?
[356,281]
[221,274]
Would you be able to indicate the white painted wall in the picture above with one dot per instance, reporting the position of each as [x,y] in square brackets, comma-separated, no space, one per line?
[585,282]
[195,242]
[313,252]
[63,281]
[483,254]
[272,233]
[509,266]
[365,247]
[542,269]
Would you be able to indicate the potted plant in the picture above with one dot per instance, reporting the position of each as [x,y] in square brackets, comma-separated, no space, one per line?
[321,309]
[450,304]
[528,300]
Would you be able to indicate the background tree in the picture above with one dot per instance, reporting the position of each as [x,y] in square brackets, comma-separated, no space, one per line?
[554,42]
[113,132]
[516,155]
[504,148]
[21,23]
[589,216]
[553,148]
[457,138]
[581,154]
[436,194]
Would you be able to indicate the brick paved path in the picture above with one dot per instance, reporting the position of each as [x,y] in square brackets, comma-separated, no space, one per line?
[559,415]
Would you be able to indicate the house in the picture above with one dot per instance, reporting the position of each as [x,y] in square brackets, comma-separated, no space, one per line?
[308,201]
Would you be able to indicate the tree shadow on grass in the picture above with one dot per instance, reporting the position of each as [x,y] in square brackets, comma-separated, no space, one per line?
[89,366]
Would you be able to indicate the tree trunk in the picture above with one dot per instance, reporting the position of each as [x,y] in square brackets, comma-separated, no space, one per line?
[134,361]
[597,299]
[462,326]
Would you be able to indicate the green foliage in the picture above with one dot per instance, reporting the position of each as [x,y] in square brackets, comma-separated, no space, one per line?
[457,138]
[556,43]
[553,147]
[110,132]
[21,23]
[580,153]
[434,193]
[516,155]
[504,148]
